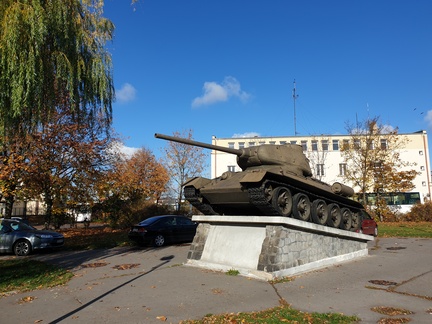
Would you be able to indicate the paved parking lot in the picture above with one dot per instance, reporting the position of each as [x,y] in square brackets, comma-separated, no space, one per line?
[146,285]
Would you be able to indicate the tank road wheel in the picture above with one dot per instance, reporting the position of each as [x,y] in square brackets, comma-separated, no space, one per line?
[346,219]
[319,212]
[282,201]
[268,192]
[301,207]
[356,221]
[335,216]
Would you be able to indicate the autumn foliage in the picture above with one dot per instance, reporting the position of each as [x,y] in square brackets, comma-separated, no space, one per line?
[420,213]
[131,187]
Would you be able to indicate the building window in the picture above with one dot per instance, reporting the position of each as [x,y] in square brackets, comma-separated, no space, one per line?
[314,145]
[342,169]
[335,145]
[241,145]
[304,145]
[325,145]
[231,144]
[357,144]
[345,144]
[262,142]
[420,152]
[251,144]
[283,142]
[422,168]
[272,142]
[231,168]
[320,169]
[383,144]
[293,142]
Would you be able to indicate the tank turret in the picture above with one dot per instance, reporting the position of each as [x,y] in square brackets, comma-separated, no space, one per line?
[276,180]
[288,156]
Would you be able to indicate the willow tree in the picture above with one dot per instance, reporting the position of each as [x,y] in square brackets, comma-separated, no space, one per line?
[52,53]
[52,56]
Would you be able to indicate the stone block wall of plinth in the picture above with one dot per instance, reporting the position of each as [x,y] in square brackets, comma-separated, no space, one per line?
[269,247]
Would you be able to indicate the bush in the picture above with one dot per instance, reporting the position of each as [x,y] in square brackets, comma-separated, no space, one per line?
[420,213]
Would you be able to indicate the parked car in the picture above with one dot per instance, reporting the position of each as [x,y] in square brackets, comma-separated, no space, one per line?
[159,230]
[21,239]
[368,225]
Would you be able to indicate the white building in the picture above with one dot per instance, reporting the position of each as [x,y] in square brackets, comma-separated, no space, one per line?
[324,154]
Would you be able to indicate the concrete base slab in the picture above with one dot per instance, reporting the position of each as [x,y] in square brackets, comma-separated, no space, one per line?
[268,247]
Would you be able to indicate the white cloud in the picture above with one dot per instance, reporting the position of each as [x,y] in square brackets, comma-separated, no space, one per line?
[125,151]
[428,118]
[246,135]
[126,93]
[215,92]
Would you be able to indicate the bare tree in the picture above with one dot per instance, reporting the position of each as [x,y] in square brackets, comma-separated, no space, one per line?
[373,159]
[182,161]
[318,156]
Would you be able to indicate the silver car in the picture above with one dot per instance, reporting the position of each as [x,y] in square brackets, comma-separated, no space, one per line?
[22,239]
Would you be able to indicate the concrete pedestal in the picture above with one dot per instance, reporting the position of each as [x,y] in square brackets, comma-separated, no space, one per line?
[268,247]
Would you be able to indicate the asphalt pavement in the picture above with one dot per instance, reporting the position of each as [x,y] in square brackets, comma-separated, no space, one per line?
[148,285]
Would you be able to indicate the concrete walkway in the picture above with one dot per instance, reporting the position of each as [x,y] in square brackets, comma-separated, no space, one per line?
[146,285]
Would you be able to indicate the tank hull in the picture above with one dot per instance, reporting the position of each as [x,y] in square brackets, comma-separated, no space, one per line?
[254,192]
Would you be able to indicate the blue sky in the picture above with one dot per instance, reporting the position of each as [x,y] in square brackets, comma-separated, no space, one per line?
[227,67]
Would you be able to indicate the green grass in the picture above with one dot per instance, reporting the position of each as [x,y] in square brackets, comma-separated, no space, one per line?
[233,272]
[405,229]
[280,314]
[25,275]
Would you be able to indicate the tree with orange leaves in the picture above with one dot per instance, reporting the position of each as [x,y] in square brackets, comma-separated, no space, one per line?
[132,180]
[65,160]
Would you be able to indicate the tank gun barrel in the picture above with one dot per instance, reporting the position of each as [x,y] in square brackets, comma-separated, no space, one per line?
[199,144]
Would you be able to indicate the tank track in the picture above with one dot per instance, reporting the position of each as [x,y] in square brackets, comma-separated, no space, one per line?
[191,195]
[257,197]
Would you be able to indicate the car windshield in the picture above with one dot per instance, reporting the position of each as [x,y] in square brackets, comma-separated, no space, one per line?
[18,226]
[149,221]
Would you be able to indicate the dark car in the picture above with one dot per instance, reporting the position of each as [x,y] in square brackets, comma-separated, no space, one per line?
[22,239]
[368,224]
[159,230]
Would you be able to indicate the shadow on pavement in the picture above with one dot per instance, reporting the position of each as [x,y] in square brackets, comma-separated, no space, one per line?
[164,260]
[72,259]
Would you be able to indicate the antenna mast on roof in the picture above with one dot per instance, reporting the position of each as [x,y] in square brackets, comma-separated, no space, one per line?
[295,96]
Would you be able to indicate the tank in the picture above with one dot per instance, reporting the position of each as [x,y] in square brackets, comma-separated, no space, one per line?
[276,180]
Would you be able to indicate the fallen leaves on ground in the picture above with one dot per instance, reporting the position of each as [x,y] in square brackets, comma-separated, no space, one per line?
[394,320]
[391,311]
[126,266]
[94,265]
[27,299]
[383,282]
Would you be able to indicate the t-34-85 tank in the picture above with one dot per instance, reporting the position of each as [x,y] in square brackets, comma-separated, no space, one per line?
[276,180]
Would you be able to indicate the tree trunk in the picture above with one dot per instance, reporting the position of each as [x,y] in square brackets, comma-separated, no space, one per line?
[9,202]
[179,199]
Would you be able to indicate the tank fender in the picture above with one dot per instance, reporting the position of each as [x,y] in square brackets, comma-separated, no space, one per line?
[197,182]
[343,190]
[254,176]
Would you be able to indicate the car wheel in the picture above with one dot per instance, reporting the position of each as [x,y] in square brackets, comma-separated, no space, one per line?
[22,248]
[159,240]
